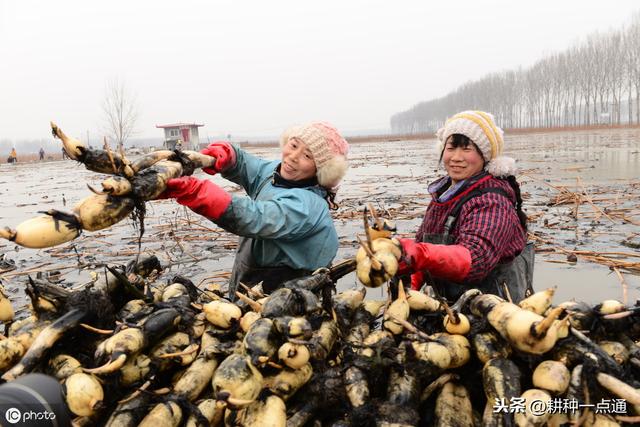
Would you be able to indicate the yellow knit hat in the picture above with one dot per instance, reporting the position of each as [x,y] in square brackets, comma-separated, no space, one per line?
[481,129]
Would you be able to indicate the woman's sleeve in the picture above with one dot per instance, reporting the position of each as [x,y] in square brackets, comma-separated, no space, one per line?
[290,216]
[248,172]
[486,227]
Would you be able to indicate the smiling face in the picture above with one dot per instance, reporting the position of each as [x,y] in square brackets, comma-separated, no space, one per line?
[297,161]
[461,160]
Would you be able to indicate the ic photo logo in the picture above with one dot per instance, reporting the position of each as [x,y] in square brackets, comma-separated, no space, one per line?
[13,415]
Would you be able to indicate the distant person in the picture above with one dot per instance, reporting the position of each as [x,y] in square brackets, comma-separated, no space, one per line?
[64,154]
[474,232]
[41,152]
[13,156]
[179,145]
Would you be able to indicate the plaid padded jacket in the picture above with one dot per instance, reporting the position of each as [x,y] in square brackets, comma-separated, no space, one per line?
[488,225]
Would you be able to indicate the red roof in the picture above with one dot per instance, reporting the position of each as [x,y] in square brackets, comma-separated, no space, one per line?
[179,125]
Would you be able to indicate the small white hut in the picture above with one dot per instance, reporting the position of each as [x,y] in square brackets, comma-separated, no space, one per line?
[181,135]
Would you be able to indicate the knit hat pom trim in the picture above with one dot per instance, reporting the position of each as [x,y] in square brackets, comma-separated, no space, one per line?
[502,166]
[332,171]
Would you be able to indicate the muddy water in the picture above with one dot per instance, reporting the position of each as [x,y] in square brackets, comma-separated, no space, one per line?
[392,175]
[607,165]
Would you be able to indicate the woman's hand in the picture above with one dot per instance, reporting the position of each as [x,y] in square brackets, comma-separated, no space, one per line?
[224,154]
[200,195]
[450,262]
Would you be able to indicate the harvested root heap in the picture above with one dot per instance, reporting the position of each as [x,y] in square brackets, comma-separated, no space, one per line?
[133,183]
[130,352]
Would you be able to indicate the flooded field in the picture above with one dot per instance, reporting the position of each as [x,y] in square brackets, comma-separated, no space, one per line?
[581,190]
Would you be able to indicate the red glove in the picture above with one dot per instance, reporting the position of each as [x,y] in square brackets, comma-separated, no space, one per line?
[417,279]
[449,262]
[225,156]
[200,195]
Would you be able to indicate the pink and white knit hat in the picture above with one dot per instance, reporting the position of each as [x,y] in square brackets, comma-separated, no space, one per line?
[328,147]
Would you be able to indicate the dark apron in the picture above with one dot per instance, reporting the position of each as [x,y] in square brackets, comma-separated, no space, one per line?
[511,281]
[246,271]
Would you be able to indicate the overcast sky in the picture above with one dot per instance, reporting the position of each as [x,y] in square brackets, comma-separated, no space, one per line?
[253,68]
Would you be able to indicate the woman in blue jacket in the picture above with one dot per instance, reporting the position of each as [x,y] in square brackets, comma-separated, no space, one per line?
[285,226]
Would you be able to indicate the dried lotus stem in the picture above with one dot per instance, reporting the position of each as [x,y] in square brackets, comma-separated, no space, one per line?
[409,327]
[250,290]
[453,315]
[187,351]
[136,393]
[378,221]
[255,306]
[367,232]
[108,150]
[96,330]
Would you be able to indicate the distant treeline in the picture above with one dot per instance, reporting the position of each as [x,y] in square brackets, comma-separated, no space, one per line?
[595,82]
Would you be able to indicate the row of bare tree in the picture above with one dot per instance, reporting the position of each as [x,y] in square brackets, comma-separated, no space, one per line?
[595,82]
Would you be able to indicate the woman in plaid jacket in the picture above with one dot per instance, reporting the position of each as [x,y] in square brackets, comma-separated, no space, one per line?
[473,234]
